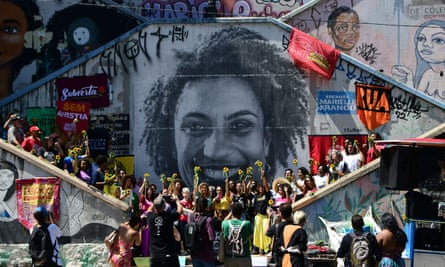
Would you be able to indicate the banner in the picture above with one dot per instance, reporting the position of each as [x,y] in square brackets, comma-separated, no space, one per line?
[45,118]
[35,192]
[373,104]
[72,116]
[321,145]
[126,163]
[310,53]
[91,89]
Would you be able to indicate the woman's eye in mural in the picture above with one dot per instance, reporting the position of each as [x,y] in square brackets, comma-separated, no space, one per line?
[421,38]
[10,29]
[196,128]
[240,127]
[438,40]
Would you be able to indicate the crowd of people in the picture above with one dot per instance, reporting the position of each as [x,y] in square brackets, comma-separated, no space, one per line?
[261,209]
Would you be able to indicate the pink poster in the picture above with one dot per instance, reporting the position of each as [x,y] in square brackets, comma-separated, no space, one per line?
[72,116]
[34,192]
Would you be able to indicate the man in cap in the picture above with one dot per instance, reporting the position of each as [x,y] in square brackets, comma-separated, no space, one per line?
[15,133]
[32,142]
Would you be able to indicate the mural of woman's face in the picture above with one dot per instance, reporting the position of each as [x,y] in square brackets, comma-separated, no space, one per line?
[13,26]
[346,31]
[218,123]
[431,44]
[6,179]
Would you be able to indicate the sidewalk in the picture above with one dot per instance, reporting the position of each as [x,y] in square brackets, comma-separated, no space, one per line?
[257,261]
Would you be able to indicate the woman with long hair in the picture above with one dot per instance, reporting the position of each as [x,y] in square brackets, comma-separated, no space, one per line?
[392,242]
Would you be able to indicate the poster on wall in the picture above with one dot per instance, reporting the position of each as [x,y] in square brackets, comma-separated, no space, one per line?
[34,192]
[91,89]
[117,127]
[72,117]
[99,140]
[222,95]
[44,118]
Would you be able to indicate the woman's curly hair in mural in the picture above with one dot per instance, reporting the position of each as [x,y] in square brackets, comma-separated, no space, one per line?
[232,52]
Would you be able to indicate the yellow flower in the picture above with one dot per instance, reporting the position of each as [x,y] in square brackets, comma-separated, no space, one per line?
[169,179]
[197,169]
[57,157]
[163,178]
[226,172]
[249,171]
[295,162]
[146,175]
[270,202]
[84,134]
[174,176]
[259,164]
[240,172]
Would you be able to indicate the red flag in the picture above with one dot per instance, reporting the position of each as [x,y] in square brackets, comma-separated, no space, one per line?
[373,104]
[310,53]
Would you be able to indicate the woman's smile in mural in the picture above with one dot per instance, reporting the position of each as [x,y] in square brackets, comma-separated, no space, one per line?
[218,122]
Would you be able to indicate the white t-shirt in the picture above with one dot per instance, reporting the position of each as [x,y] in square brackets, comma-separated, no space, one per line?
[320,181]
[352,161]
[54,232]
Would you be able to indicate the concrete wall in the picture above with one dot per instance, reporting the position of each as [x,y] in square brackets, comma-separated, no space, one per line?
[86,215]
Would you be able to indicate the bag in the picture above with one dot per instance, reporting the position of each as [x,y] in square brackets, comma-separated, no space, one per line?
[111,240]
[40,247]
[192,234]
[286,236]
[235,243]
[360,251]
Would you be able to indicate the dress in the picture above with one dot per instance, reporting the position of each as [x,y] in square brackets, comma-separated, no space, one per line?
[122,255]
[391,259]
[260,240]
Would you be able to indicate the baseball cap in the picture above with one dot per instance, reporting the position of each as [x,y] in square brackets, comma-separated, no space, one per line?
[40,213]
[16,118]
[34,128]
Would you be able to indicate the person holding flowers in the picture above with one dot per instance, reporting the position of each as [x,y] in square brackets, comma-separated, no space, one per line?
[221,203]
[262,201]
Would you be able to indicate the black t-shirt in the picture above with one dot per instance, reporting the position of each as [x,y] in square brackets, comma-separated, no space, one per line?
[162,241]
[261,202]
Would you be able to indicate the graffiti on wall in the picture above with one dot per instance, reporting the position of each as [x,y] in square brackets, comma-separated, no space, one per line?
[156,9]
[52,42]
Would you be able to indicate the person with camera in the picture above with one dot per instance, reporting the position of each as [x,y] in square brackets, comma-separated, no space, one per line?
[161,217]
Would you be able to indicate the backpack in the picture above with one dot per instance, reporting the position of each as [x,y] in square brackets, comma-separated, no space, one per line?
[192,234]
[360,251]
[234,245]
[41,248]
